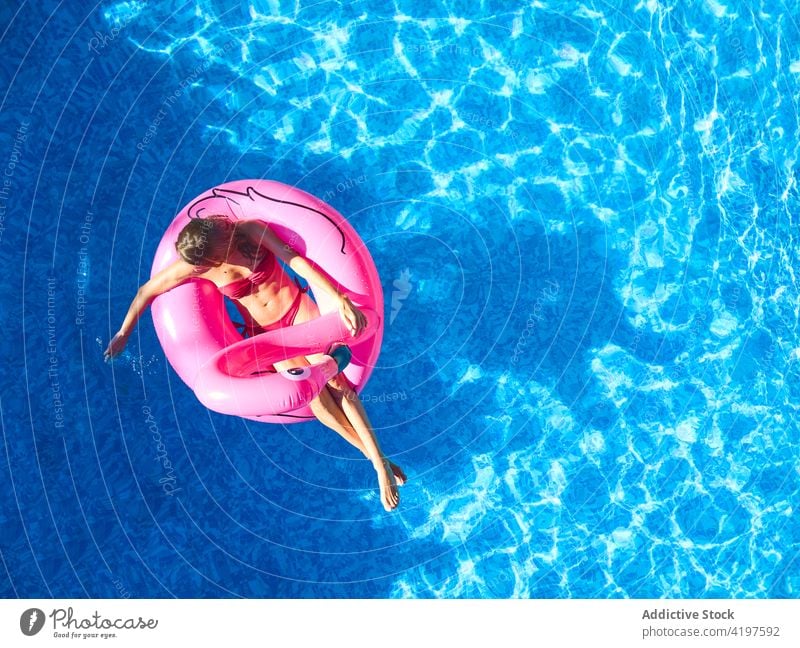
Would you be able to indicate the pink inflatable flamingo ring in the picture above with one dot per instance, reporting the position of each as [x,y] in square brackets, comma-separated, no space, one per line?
[234,375]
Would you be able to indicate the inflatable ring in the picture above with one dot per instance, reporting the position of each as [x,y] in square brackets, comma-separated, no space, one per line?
[233,375]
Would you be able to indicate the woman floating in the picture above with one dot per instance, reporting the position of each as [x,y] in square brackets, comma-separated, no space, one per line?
[241,258]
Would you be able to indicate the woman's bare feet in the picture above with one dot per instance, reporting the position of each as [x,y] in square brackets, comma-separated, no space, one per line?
[387,481]
[399,475]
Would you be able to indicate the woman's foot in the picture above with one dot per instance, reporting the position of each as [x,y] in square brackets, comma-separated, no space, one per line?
[387,481]
[399,475]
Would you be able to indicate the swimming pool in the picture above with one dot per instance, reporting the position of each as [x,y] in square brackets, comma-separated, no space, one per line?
[585,221]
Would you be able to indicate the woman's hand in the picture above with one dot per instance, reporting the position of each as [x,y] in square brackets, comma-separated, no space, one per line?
[354,318]
[115,347]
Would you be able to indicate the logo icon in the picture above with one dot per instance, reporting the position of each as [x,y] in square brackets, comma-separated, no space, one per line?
[31,621]
[402,287]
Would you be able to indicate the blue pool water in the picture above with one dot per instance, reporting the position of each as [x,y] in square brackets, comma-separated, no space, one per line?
[585,219]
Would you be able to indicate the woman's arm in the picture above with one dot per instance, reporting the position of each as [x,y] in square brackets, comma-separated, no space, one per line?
[260,232]
[170,277]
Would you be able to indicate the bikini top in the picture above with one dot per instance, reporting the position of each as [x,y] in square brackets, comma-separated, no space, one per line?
[247,285]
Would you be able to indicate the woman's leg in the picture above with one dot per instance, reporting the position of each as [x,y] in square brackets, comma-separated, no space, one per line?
[348,401]
[331,412]
[332,415]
